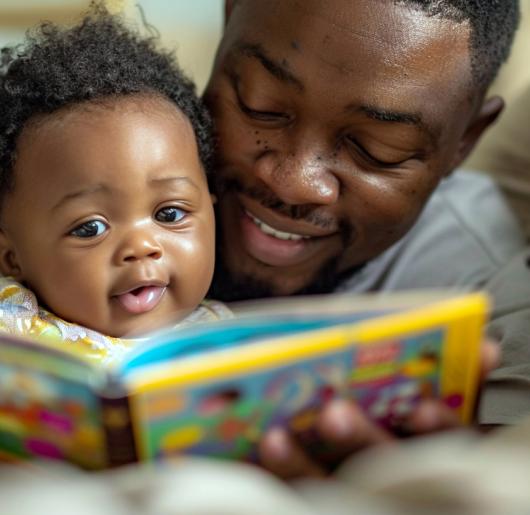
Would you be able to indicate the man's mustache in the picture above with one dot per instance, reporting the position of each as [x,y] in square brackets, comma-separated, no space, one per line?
[307,212]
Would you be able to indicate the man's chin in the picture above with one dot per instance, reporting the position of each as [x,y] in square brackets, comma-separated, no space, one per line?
[228,286]
[232,286]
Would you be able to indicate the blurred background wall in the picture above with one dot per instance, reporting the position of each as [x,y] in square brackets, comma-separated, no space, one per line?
[192,27]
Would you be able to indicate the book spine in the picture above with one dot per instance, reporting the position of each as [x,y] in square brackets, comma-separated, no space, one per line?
[118,428]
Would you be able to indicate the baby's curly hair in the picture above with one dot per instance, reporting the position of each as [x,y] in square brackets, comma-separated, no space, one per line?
[97,59]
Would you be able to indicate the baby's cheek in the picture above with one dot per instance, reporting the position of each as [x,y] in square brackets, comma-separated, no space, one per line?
[80,294]
[196,268]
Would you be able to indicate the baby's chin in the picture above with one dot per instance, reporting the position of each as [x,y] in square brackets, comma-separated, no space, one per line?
[143,326]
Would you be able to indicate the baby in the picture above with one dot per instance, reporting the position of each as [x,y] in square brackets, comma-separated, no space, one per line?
[106,220]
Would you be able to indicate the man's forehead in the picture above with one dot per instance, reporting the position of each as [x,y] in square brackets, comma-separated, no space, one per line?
[349,37]
[407,66]
[379,25]
[347,14]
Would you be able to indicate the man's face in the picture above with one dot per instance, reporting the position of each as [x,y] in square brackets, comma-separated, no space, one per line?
[336,120]
[110,221]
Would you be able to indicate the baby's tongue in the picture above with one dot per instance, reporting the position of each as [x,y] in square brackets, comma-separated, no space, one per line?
[141,299]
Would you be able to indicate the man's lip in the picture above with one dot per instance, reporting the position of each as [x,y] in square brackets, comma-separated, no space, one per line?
[275,252]
[280,222]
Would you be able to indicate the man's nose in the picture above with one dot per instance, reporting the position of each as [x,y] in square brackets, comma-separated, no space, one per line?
[300,177]
[139,244]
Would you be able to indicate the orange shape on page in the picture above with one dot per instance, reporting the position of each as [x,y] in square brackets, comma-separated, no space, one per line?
[232,428]
[420,367]
[88,437]
[167,404]
[73,408]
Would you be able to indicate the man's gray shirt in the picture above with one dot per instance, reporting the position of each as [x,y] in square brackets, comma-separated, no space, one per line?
[464,235]
[506,398]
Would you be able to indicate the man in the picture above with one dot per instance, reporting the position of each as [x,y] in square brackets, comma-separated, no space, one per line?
[336,120]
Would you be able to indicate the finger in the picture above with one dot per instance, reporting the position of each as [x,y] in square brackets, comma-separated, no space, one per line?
[430,416]
[490,357]
[343,424]
[280,455]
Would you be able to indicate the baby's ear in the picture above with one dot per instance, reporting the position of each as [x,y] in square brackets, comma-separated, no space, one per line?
[214,198]
[8,260]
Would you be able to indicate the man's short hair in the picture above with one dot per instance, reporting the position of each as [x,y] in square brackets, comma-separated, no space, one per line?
[493,24]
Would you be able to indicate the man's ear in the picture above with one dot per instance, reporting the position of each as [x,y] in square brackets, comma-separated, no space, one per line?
[487,115]
[229,5]
[8,259]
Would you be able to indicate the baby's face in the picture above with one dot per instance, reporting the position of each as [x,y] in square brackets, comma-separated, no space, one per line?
[110,221]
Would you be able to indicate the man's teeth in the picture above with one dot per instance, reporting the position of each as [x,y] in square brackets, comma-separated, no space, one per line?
[281,235]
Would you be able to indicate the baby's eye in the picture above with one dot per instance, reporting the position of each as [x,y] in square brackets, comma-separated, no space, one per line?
[89,229]
[170,214]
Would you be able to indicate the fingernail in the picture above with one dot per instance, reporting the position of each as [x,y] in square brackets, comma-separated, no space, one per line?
[428,416]
[278,444]
[340,418]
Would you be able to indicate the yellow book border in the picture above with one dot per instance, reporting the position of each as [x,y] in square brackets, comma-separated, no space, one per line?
[286,349]
[461,317]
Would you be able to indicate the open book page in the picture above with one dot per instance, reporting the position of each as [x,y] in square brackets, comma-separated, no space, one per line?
[213,389]
[49,404]
[219,401]
[265,318]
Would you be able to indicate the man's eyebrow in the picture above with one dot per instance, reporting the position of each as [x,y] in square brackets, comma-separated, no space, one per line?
[85,192]
[384,115]
[278,70]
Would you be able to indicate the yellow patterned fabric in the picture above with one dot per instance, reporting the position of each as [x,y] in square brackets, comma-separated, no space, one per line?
[20,315]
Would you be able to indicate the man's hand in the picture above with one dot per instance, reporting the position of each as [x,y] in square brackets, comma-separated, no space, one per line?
[341,425]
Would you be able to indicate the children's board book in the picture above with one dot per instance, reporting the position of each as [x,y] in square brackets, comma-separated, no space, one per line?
[213,389]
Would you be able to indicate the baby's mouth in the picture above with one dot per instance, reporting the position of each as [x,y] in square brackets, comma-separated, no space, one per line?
[141,299]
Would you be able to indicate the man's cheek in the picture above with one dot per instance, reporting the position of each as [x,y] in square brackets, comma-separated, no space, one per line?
[240,144]
[400,202]
[388,219]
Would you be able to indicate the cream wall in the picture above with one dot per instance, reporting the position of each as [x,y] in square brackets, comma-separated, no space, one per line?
[192,27]
[18,15]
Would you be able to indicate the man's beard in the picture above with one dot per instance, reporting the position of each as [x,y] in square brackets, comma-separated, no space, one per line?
[228,288]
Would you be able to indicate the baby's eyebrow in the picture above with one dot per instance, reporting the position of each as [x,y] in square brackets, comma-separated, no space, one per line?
[91,190]
[174,178]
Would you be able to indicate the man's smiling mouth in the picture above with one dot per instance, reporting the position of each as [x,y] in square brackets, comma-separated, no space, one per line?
[281,235]
[276,240]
